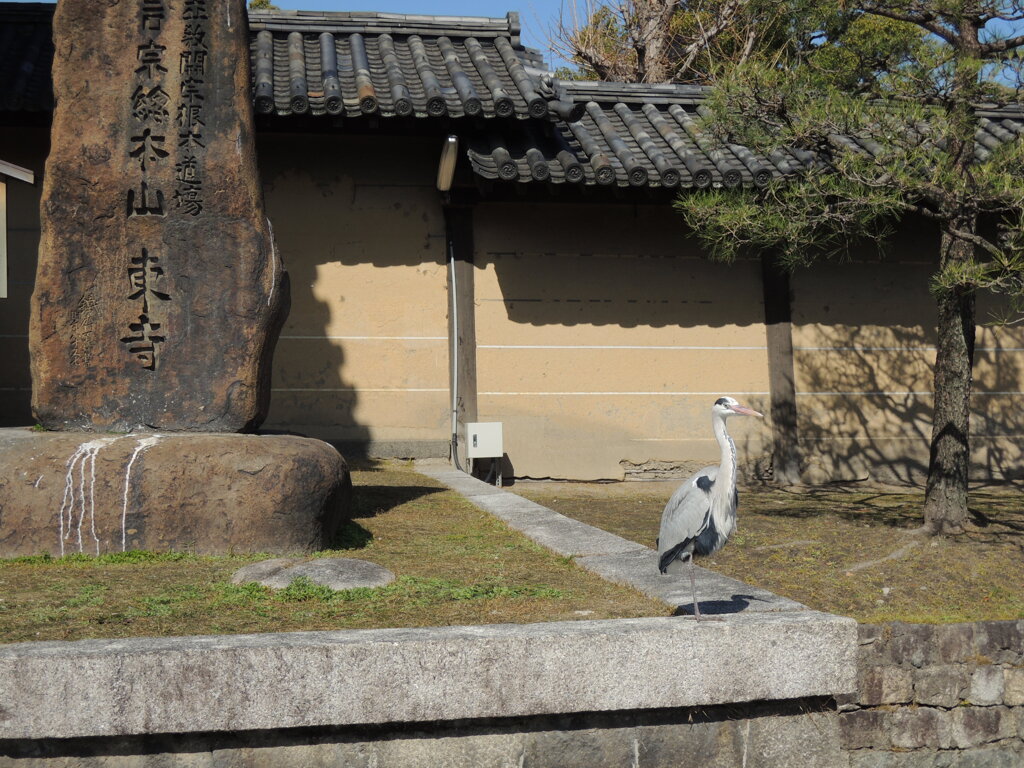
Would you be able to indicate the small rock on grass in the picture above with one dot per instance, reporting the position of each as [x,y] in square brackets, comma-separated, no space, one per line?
[261,571]
[333,572]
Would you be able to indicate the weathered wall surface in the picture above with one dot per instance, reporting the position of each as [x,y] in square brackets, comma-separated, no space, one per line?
[604,338]
[602,333]
[864,348]
[935,696]
[363,356]
[26,147]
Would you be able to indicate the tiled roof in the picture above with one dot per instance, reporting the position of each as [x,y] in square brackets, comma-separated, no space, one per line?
[530,127]
[338,64]
[647,136]
[628,136]
[396,65]
[26,50]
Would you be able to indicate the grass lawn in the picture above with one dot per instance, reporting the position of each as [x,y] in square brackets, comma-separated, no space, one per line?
[455,565]
[844,549]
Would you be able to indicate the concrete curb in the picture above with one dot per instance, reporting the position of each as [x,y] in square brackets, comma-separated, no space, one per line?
[611,557]
[286,680]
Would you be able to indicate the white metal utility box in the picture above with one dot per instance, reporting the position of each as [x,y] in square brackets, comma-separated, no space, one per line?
[483,440]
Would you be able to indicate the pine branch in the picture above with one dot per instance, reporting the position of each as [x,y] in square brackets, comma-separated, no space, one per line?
[1001,46]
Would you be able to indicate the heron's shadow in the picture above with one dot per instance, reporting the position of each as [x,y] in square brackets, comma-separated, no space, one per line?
[735,604]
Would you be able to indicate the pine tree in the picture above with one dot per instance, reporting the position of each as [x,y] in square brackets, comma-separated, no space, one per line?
[885,96]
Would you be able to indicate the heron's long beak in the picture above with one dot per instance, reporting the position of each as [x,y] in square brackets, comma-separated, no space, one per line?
[743,410]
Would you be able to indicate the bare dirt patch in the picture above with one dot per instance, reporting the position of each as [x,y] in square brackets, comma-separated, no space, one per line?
[455,565]
[846,549]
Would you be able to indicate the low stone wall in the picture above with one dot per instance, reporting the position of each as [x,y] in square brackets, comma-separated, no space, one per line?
[936,696]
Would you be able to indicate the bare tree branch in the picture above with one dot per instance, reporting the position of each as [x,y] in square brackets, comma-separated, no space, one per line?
[1000,46]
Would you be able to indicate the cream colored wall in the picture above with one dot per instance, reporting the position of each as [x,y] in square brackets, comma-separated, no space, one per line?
[864,349]
[363,355]
[604,337]
[26,147]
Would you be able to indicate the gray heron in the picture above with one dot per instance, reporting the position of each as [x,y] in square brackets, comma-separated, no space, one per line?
[701,515]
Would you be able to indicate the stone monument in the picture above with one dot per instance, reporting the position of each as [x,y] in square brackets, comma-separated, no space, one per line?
[159,294]
[158,300]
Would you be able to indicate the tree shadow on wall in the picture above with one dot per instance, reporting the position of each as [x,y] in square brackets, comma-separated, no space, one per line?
[865,411]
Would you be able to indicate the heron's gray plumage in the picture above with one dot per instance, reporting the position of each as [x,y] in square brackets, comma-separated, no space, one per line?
[701,515]
[688,525]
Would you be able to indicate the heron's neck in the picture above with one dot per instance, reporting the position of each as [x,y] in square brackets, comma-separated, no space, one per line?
[727,466]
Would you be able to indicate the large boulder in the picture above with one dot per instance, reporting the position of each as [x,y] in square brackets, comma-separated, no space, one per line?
[206,493]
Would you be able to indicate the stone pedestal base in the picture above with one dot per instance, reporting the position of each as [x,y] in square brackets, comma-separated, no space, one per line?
[63,493]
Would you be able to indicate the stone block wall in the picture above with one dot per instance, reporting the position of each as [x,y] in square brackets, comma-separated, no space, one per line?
[937,696]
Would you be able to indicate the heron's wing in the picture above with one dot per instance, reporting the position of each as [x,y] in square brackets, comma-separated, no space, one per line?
[686,516]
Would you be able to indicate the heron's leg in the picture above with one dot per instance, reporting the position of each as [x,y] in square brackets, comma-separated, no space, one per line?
[693,588]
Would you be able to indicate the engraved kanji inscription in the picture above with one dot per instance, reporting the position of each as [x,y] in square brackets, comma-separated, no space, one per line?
[145,201]
[153,14]
[144,274]
[151,56]
[194,35]
[150,106]
[143,341]
[147,148]
[195,9]
[193,63]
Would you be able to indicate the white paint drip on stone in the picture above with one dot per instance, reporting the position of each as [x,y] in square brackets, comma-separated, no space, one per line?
[74,497]
[142,445]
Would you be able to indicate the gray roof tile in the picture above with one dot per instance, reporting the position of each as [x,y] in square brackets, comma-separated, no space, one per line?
[632,131]
[392,65]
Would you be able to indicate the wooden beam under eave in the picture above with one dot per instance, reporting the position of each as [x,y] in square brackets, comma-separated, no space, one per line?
[781,382]
[461,320]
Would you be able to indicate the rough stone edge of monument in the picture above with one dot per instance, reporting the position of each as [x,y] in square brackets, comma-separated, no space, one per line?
[611,557]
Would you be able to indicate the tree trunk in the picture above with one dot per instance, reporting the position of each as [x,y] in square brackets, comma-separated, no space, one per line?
[945,503]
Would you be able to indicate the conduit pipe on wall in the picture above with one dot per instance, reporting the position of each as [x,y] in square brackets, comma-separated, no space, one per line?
[455,356]
[445,174]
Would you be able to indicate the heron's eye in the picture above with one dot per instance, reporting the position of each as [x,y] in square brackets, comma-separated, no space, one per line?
[721,401]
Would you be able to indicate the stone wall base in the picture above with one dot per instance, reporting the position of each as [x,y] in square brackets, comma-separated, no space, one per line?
[777,735]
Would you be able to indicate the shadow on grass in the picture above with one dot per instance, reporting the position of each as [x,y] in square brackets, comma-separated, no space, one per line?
[849,504]
[351,535]
[999,515]
[372,500]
